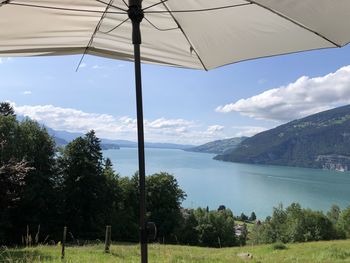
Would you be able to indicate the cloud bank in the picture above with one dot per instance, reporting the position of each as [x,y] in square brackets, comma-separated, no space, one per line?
[303,97]
[124,127]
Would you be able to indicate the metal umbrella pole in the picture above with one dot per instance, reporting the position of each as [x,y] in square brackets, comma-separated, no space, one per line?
[136,15]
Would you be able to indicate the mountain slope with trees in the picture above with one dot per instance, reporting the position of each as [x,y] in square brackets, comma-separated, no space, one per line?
[321,140]
[218,146]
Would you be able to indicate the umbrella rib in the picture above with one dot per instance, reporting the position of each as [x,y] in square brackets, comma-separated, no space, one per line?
[125,4]
[110,4]
[93,35]
[160,29]
[4,2]
[114,28]
[159,3]
[64,9]
[196,10]
[295,22]
[188,40]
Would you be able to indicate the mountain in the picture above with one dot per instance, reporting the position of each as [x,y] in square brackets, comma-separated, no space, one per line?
[64,137]
[321,140]
[168,145]
[60,141]
[219,146]
[131,144]
[109,146]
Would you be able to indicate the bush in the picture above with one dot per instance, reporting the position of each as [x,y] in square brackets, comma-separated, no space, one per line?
[294,224]
[279,246]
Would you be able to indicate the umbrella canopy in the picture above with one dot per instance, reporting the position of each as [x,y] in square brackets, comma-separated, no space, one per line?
[200,34]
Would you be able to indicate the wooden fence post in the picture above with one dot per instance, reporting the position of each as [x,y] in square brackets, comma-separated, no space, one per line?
[108,238]
[63,241]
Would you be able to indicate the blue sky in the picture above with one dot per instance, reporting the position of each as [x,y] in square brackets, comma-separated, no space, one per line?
[180,105]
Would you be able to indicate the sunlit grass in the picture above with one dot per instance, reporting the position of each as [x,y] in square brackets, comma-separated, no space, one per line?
[325,251]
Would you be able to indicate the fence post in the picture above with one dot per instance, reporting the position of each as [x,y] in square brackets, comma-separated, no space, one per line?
[63,241]
[108,238]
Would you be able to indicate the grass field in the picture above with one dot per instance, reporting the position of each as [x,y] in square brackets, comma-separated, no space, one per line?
[332,252]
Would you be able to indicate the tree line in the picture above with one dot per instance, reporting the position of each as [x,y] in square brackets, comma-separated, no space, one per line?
[45,187]
[297,224]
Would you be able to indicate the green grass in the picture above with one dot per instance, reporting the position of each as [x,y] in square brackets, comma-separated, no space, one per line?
[330,251]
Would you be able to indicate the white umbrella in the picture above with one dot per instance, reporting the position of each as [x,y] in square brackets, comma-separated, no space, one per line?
[199,34]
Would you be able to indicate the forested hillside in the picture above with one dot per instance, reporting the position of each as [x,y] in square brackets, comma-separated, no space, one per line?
[321,140]
[219,146]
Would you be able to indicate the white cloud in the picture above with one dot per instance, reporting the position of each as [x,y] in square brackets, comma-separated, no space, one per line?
[215,129]
[3,60]
[163,123]
[27,92]
[108,67]
[124,127]
[303,97]
[82,65]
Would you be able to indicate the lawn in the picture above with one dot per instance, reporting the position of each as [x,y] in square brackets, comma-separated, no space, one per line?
[325,251]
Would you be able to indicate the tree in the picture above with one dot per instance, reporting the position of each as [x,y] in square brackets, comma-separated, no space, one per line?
[39,200]
[113,201]
[84,183]
[334,213]
[215,228]
[252,216]
[344,222]
[27,174]
[242,238]
[12,183]
[128,222]
[243,217]
[164,198]
[221,207]
[9,135]
[6,109]
[294,224]
[187,232]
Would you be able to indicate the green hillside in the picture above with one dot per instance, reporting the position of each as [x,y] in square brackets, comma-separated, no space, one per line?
[219,146]
[321,140]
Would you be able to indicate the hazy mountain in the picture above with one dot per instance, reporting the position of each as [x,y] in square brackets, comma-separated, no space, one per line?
[167,145]
[60,141]
[109,146]
[219,146]
[321,140]
[64,137]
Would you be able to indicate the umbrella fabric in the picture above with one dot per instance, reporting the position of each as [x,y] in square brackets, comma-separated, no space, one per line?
[200,34]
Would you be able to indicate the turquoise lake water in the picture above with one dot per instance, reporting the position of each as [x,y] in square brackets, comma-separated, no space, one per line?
[240,187]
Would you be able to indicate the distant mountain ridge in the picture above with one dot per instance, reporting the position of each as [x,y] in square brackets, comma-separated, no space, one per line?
[64,137]
[218,146]
[321,140]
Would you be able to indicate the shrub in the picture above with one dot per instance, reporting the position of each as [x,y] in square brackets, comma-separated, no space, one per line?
[279,246]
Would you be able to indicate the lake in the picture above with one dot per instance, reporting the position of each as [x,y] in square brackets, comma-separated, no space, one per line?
[240,187]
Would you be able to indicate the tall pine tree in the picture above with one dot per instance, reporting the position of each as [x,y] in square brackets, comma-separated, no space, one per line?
[84,186]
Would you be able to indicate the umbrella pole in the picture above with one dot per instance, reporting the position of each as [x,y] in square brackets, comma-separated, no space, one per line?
[136,15]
